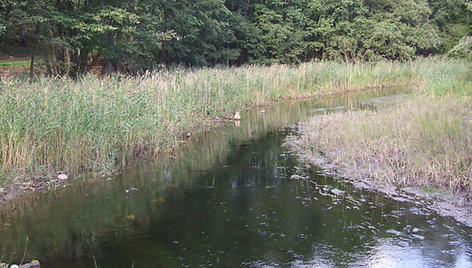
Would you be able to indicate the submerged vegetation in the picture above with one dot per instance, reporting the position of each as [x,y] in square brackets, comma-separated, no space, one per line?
[426,141]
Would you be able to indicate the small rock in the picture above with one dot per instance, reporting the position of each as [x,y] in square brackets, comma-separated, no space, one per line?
[33,264]
[237,116]
[130,190]
[337,192]
[62,177]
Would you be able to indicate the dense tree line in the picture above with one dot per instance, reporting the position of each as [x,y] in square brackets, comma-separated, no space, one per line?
[71,36]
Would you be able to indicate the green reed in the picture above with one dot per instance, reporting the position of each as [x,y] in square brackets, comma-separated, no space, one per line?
[93,124]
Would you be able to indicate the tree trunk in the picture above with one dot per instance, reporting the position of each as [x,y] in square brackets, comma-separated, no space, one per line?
[83,65]
[67,61]
[95,59]
[46,61]
[33,54]
[107,69]
[346,54]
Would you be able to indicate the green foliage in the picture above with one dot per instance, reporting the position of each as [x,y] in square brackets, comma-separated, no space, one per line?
[133,36]
[453,19]
[462,50]
[203,33]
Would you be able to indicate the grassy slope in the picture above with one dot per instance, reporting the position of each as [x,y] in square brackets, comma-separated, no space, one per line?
[426,141]
[94,124]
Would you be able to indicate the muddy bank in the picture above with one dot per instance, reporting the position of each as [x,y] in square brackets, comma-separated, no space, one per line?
[457,205]
[20,187]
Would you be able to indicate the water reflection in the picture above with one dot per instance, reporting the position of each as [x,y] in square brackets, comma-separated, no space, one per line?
[232,197]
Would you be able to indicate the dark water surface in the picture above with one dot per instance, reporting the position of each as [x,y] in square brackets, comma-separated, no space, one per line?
[235,196]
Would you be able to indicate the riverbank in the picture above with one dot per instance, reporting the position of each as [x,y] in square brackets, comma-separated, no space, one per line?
[58,125]
[419,146]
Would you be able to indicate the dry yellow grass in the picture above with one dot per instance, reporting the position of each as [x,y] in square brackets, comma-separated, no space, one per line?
[426,141]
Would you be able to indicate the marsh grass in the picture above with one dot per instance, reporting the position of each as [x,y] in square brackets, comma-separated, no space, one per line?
[439,77]
[426,141]
[92,124]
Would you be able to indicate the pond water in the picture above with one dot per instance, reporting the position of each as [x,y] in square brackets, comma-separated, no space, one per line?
[232,197]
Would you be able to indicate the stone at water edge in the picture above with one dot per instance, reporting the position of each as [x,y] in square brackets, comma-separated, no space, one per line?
[337,192]
[62,177]
[130,190]
[33,264]
[237,116]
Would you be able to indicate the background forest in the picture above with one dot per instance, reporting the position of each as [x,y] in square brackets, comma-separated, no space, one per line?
[72,36]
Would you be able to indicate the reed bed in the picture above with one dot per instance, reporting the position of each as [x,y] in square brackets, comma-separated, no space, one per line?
[92,124]
[426,141]
[439,77]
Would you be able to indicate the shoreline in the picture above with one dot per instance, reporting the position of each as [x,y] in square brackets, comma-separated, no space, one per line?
[100,125]
[18,189]
[80,128]
[446,204]
[317,145]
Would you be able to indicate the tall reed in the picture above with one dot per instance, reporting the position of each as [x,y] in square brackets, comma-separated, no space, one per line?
[426,141]
[93,124]
[439,77]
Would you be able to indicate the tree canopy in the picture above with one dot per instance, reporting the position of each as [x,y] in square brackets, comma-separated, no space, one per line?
[72,36]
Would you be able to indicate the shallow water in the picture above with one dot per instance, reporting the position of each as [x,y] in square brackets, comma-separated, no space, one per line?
[235,196]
